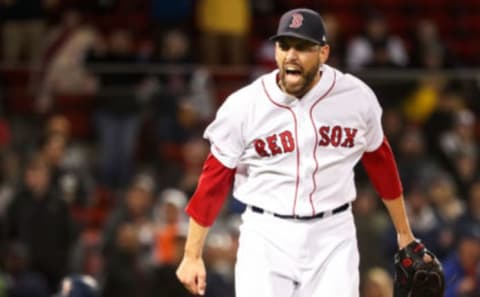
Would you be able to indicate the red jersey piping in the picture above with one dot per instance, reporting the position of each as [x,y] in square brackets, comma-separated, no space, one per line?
[296,140]
[316,140]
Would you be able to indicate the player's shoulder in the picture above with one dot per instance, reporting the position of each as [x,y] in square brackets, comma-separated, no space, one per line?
[350,82]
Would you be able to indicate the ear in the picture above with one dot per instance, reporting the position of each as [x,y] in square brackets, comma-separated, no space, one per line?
[323,53]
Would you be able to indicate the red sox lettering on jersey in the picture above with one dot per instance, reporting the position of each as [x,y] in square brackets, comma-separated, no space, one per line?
[275,144]
[296,156]
[280,143]
[337,136]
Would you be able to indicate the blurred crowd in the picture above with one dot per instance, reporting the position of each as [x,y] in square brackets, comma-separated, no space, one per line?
[102,108]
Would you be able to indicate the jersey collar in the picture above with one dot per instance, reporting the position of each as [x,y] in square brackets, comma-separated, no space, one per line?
[278,96]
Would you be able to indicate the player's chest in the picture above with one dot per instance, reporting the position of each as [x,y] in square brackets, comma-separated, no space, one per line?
[336,128]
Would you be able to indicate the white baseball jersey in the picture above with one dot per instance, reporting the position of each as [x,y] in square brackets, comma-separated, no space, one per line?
[296,156]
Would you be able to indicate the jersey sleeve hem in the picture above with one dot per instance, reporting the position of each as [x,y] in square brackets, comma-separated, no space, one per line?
[227,162]
[376,145]
[197,217]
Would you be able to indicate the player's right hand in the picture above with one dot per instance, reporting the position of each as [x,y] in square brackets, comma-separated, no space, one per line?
[192,274]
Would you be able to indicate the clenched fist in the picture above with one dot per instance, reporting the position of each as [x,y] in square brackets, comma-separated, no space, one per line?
[192,274]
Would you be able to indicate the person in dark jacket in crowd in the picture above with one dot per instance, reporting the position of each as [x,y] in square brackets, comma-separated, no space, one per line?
[39,219]
[118,109]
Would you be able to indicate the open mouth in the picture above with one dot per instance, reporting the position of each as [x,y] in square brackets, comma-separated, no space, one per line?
[293,71]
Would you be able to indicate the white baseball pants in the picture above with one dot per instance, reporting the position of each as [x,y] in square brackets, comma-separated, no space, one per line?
[290,258]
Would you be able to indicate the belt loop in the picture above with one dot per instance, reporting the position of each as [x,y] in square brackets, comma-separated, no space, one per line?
[327,213]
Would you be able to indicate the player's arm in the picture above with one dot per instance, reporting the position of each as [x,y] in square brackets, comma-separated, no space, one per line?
[213,187]
[191,271]
[396,209]
[422,265]
[382,170]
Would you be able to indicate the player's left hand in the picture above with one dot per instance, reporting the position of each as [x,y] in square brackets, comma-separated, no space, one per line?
[192,274]
[418,272]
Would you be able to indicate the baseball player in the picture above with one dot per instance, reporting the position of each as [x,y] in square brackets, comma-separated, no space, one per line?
[289,142]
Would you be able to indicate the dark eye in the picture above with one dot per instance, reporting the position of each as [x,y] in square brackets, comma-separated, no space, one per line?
[305,47]
[302,47]
[283,45]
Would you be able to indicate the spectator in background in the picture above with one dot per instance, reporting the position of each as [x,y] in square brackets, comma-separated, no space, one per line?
[336,41]
[127,242]
[462,268]
[393,125]
[371,226]
[21,281]
[433,213]
[448,208]
[58,124]
[74,164]
[224,26]
[182,169]
[381,58]
[170,90]
[377,283]
[118,109]
[471,217]
[425,222]
[460,139]
[264,48]
[181,98]
[165,282]
[414,164]
[194,151]
[169,240]
[375,46]
[442,193]
[440,120]
[428,51]
[62,60]
[181,165]
[40,220]
[166,15]
[170,218]
[69,183]
[465,172]
[220,248]
[24,27]
[422,101]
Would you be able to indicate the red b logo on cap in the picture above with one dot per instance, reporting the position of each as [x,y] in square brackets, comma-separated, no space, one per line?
[297,20]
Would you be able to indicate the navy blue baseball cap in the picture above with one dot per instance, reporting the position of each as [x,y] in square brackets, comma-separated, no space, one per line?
[302,23]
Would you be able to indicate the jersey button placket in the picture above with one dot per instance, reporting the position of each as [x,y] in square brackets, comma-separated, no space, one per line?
[303,139]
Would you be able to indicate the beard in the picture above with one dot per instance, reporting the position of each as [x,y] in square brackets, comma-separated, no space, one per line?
[304,82]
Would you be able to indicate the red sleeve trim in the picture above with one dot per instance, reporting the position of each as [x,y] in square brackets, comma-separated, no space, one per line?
[382,170]
[213,187]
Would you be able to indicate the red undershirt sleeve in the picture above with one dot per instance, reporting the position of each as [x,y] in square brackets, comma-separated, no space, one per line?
[382,170]
[213,187]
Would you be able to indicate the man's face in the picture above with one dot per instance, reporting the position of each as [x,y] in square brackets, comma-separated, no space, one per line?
[299,61]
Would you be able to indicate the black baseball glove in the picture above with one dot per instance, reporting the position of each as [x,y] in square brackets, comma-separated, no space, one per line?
[416,278]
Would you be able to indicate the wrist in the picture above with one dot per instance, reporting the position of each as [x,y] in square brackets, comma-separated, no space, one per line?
[192,254]
[404,239]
